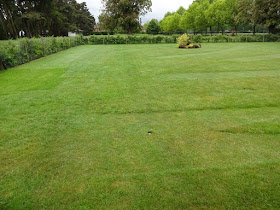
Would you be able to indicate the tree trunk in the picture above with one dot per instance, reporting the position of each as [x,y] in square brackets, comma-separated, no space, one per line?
[10,21]
[254,30]
[211,31]
[2,66]
[2,20]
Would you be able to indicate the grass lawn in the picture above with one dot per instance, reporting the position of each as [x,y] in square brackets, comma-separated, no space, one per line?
[74,128]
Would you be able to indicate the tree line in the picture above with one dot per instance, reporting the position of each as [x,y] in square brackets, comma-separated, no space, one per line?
[44,17]
[123,15]
[209,15]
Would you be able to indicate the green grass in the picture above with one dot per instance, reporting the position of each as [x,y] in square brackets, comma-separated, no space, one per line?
[73,128]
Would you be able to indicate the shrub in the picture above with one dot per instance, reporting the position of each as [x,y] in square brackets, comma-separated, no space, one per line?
[153,27]
[20,51]
[197,38]
[183,41]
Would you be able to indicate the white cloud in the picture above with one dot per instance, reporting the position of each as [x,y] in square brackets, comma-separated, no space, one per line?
[159,8]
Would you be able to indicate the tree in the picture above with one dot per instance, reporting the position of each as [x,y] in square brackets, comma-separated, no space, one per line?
[231,13]
[189,17]
[7,9]
[217,15]
[153,27]
[58,17]
[125,13]
[268,13]
[171,24]
[181,10]
[247,13]
[168,14]
[201,20]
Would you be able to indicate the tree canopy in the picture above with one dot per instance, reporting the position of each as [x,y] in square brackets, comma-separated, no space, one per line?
[259,12]
[224,14]
[124,14]
[153,27]
[37,17]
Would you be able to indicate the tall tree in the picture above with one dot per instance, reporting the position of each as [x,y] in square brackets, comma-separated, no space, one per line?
[231,13]
[201,20]
[153,27]
[181,10]
[125,13]
[217,14]
[260,12]
[189,17]
[7,9]
[171,24]
[268,13]
[247,13]
[38,16]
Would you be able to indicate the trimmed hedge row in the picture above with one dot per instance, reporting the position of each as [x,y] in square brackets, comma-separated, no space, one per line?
[157,39]
[130,39]
[238,38]
[16,52]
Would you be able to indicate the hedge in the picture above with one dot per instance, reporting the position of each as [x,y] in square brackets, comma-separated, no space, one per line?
[16,52]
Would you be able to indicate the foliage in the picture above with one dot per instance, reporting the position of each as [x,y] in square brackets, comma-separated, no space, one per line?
[260,12]
[217,14]
[198,38]
[54,17]
[181,10]
[269,13]
[124,13]
[189,17]
[168,14]
[171,23]
[183,41]
[153,27]
[17,52]
[201,20]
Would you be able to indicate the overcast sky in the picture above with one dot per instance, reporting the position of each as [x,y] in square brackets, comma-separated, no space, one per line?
[160,7]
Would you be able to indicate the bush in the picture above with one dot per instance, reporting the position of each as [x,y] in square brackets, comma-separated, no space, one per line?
[197,38]
[153,27]
[16,52]
[102,33]
[13,53]
[185,41]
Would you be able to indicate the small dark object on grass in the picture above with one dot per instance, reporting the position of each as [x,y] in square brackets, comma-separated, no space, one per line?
[150,132]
